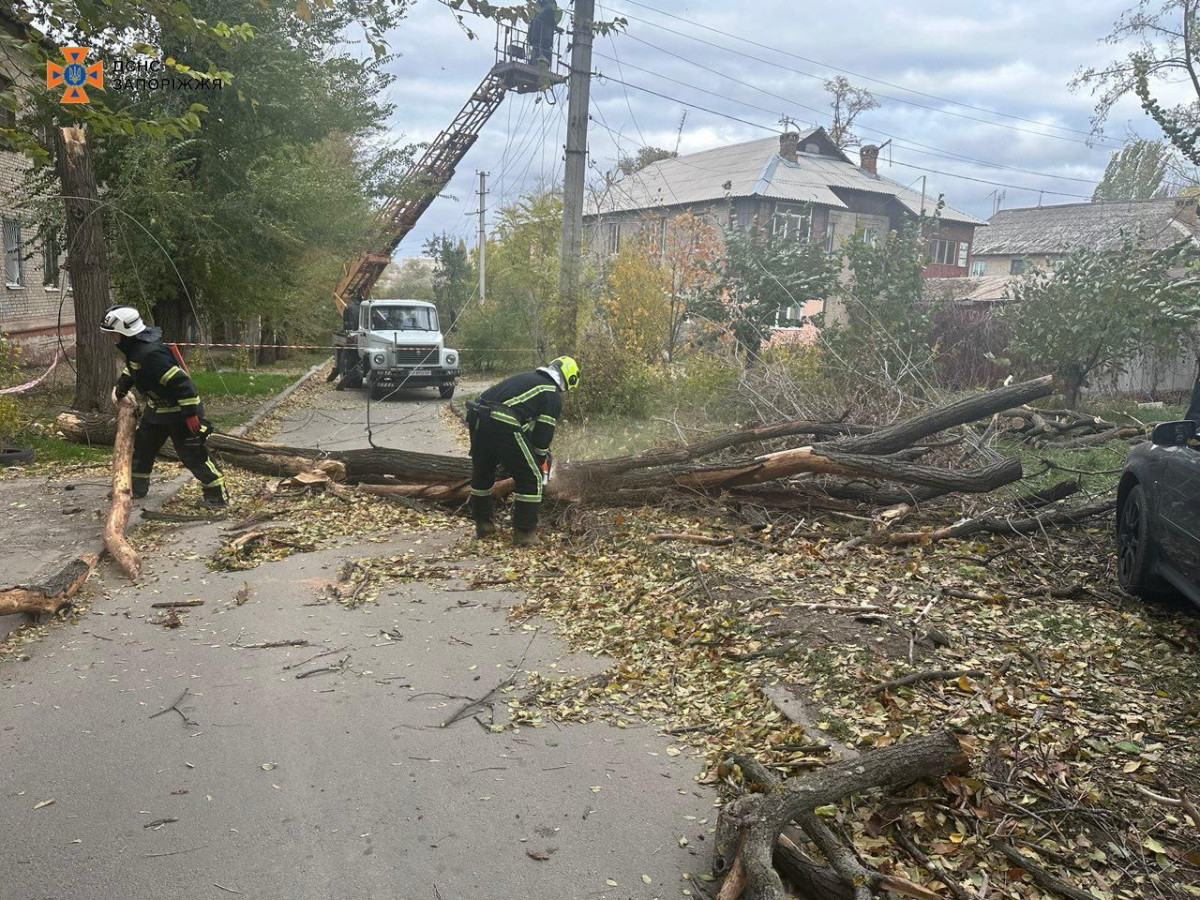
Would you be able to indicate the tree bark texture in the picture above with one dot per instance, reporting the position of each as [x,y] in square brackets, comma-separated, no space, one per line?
[87,263]
[748,829]
[51,595]
[115,542]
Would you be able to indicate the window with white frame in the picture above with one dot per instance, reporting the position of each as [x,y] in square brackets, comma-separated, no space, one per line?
[978,267]
[12,252]
[963,250]
[50,268]
[1058,263]
[943,253]
[791,221]
[1016,267]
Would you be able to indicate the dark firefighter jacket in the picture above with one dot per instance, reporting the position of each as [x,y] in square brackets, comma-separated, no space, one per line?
[528,401]
[152,369]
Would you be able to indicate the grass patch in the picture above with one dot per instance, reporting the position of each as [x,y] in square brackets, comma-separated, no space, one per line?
[52,449]
[213,385]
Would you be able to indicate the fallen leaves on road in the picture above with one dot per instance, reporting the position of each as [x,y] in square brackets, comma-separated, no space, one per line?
[1074,702]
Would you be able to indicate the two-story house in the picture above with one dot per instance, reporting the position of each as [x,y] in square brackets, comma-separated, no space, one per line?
[799,184]
[35,296]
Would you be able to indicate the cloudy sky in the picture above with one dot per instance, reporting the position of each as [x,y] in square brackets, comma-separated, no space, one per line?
[974,90]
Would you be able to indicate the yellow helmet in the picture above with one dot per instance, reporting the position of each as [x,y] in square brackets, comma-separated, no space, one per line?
[569,369]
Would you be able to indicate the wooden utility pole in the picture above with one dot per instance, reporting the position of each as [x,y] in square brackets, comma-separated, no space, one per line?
[579,88]
[87,263]
[482,235]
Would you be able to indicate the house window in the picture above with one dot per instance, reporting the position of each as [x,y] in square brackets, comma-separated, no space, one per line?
[870,237]
[830,234]
[8,117]
[1016,267]
[1058,263]
[612,238]
[943,253]
[963,248]
[12,252]
[978,267]
[50,276]
[791,221]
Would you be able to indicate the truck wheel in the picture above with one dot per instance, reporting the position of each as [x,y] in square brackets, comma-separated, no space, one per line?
[378,391]
[446,391]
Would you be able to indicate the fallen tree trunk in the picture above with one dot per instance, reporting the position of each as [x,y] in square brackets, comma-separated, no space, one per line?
[115,542]
[748,829]
[787,463]
[969,409]
[51,595]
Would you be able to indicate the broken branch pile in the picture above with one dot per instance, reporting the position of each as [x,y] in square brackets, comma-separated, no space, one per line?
[1065,428]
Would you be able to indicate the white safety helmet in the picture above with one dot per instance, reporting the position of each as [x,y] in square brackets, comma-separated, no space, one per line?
[123,320]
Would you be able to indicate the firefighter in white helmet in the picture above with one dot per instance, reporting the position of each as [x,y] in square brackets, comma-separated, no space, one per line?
[173,408]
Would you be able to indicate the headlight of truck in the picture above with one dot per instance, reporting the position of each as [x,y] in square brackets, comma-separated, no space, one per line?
[451,358]
[378,360]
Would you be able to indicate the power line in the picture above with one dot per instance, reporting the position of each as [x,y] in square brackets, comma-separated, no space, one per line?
[667,97]
[933,151]
[754,43]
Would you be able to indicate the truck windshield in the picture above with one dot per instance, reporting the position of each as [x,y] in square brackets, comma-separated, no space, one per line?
[403,318]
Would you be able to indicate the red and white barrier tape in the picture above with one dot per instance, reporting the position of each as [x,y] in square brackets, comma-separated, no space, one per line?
[333,347]
[32,384]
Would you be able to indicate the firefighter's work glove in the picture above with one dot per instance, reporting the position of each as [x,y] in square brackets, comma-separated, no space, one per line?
[193,424]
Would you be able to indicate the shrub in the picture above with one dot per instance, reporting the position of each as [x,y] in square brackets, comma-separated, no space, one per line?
[614,382]
[10,410]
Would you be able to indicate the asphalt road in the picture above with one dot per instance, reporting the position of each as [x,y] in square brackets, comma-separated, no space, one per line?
[339,785]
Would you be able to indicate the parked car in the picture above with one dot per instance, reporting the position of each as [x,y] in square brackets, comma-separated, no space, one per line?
[1158,514]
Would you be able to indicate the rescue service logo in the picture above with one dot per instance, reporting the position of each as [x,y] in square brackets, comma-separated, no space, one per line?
[73,76]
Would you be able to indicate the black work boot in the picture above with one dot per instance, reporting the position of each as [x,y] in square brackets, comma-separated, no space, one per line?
[214,497]
[525,521]
[481,512]
[141,487]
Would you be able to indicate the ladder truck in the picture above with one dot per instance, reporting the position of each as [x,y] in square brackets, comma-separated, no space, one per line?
[389,344]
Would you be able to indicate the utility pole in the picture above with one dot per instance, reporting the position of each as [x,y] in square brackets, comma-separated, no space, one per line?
[579,88]
[482,234]
[922,196]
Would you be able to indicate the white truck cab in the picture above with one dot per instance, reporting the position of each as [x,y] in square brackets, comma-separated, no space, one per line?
[398,344]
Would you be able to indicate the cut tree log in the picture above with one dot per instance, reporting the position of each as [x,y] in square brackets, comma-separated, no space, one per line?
[115,542]
[748,829]
[51,595]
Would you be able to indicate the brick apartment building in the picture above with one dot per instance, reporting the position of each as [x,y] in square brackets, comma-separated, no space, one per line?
[35,296]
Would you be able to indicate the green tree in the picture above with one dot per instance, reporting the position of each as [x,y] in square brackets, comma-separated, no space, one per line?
[455,279]
[235,220]
[888,320]
[1099,311]
[761,275]
[1135,172]
[628,165]
[846,104]
[513,327]
[1165,39]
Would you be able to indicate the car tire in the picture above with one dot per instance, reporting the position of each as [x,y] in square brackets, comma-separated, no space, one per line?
[1134,537]
[446,391]
[378,391]
[16,456]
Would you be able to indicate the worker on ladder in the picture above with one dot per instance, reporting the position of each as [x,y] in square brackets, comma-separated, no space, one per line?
[173,408]
[541,33]
[512,424]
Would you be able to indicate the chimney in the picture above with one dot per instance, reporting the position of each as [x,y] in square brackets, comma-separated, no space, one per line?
[789,144]
[868,158]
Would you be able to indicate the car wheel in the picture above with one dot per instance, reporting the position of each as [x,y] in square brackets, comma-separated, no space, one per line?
[1134,544]
[378,391]
[446,391]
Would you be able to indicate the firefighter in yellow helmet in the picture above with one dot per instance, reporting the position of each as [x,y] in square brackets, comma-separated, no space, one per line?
[512,425]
